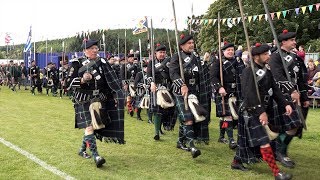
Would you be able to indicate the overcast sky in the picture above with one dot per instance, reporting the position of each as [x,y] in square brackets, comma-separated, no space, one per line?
[62,18]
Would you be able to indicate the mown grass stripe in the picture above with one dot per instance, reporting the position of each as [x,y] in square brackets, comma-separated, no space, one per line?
[32,157]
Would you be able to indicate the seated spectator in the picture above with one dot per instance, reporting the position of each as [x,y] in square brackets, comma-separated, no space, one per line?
[311,73]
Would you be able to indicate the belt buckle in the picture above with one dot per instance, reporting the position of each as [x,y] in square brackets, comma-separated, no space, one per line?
[233,85]
[192,81]
[95,92]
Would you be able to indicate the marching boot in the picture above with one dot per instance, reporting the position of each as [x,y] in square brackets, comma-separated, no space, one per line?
[190,141]
[91,141]
[237,165]
[157,126]
[181,140]
[281,154]
[283,176]
[139,114]
[229,130]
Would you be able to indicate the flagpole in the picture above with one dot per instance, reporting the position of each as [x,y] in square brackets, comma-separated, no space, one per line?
[47,51]
[152,59]
[169,43]
[34,51]
[104,45]
[51,54]
[125,54]
[118,47]
[190,30]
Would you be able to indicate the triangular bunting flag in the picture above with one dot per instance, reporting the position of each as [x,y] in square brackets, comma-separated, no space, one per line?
[249,18]
[206,21]
[193,20]
[272,15]
[284,13]
[255,17]
[201,21]
[197,21]
[317,6]
[310,8]
[266,17]
[234,21]
[189,21]
[278,14]
[214,22]
[297,10]
[303,9]
[260,17]
[223,20]
[239,18]
[210,21]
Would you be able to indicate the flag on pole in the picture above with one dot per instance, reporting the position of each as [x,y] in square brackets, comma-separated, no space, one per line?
[7,38]
[141,27]
[28,45]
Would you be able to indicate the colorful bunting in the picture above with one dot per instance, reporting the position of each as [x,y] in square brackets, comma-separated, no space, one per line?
[303,9]
[260,17]
[210,21]
[239,18]
[255,17]
[317,6]
[223,20]
[214,22]
[278,14]
[272,15]
[297,10]
[249,18]
[310,8]
[284,13]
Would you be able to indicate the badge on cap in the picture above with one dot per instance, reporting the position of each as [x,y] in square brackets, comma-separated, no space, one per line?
[195,69]
[260,72]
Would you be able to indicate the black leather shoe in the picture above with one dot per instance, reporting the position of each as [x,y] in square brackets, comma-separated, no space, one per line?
[139,118]
[84,154]
[223,140]
[195,152]
[283,176]
[156,137]
[285,161]
[238,166]
[131,113]
[149,121]
[99,161]
[182,146]
[232,144]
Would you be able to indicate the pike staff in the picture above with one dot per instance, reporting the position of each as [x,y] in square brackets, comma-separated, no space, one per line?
[152,60]
[169,43]
[178,51]
[220,59]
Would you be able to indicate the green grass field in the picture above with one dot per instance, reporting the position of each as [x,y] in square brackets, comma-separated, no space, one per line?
[44,126]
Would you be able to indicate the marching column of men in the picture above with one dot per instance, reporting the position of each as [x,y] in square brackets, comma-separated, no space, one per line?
[180,86]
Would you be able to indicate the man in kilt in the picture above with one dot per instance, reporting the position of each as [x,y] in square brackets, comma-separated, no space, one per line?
[295,90]
[98,101]
[140,87]
[161,81]
[128,72]
[34,73]
[191,88]
[231,74]
[256,112]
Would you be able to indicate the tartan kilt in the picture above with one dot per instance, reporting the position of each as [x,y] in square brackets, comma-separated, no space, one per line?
[218,101]
[284,122]
[248,150]
[83,116]
[201,130]
[137,101]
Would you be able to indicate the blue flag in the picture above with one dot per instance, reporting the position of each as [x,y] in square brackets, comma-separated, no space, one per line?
[28,45]
[141,27]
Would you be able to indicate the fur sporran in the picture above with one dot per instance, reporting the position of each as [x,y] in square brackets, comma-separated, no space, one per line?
[197,110]
[164,98]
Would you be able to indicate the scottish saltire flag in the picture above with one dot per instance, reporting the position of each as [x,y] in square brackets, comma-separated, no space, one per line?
[141,27]
[28,45]
[7,38]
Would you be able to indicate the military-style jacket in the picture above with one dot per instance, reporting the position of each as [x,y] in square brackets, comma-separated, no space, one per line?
[297,72]
[132,70]
[161,72]
[268,90]
[34,71]
[191,69]
[231,71]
